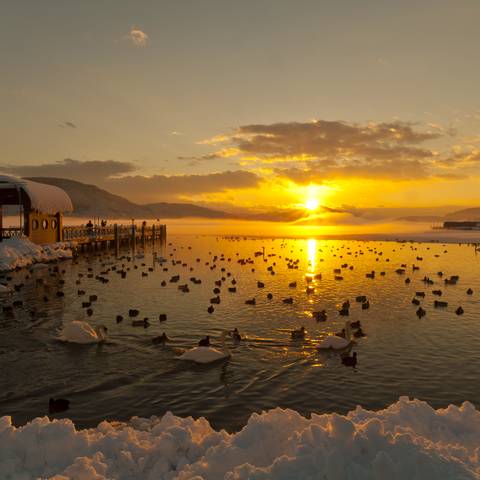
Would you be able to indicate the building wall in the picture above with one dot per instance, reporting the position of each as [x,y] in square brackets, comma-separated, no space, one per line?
[43,228]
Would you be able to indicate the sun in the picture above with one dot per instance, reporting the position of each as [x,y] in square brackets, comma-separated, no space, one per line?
[312,204]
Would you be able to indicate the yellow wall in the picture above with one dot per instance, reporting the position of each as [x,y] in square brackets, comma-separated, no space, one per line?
[42,228]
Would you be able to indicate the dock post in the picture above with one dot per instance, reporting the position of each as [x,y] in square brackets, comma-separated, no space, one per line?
[134,237]
[153,234]
[143,235]
[116,239]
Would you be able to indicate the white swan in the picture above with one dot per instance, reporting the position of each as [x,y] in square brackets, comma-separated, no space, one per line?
[82,332]
[333,342]
[207,354]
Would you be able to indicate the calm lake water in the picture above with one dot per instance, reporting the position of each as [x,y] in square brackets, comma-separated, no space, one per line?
[436,358]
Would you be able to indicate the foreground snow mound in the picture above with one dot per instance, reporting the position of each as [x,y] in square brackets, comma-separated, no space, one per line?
[407,440]
[18,252]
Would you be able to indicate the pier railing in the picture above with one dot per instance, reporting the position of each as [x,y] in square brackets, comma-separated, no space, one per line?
[114,235]
[11,232]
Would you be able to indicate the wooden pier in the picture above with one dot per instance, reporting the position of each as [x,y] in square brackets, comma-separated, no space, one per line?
[115,236]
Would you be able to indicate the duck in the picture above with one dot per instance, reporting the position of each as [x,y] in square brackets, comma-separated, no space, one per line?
[82,332]
[350,361]
[207,354]
[334,342]
[298,334]
[320,316]
[204,342]
[236,335]
[161,339]
[141,323]
[421,312]
[359,333]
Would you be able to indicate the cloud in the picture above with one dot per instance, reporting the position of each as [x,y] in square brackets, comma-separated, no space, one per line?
[67,125]
[397,150]
[223,153]
[115,176]
[318,172]
[138,37]
[180,187]
[92,171]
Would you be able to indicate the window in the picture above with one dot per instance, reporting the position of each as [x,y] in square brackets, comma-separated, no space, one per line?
[35,224]
[45,224]
[54,224]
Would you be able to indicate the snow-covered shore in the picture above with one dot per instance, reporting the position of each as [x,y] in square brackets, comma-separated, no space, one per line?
[407,440]
[19,252]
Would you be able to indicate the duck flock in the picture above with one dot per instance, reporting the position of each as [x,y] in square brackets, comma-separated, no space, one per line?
[302,275]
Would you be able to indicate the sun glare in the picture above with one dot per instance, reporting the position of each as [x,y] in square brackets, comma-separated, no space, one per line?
[312,204]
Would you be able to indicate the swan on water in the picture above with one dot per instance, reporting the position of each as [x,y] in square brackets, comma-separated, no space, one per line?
[82,332]
[333,342]
[207,354]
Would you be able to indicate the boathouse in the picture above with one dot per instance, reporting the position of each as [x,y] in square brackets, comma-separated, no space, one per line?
[39,209]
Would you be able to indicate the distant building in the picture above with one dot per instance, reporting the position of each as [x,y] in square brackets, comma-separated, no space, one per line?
[40,208]
[462,225]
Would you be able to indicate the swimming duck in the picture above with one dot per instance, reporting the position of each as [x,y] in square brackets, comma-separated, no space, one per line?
[161,339]
[298,334]
[421,312]
[359,333]
[320,316]
[236,335]
[350,361]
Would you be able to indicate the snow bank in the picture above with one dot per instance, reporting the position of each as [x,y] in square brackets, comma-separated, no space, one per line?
[408,440]
[21,252]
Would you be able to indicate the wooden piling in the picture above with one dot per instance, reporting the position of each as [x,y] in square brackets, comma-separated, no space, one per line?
[116,240]
[134,237]
[143,235]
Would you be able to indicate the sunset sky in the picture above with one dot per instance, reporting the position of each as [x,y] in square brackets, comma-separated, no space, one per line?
[272,106]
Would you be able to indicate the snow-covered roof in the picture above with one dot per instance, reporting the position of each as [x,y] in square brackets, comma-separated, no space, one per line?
[43,198]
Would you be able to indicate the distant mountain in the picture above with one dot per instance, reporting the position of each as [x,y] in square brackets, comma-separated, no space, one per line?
[420,218]
[178,210]
[465,215]
[91,201]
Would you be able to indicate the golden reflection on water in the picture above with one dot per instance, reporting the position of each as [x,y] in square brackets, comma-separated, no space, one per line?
[312,254]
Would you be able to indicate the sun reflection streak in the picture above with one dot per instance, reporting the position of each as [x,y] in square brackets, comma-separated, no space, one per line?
[312,254]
